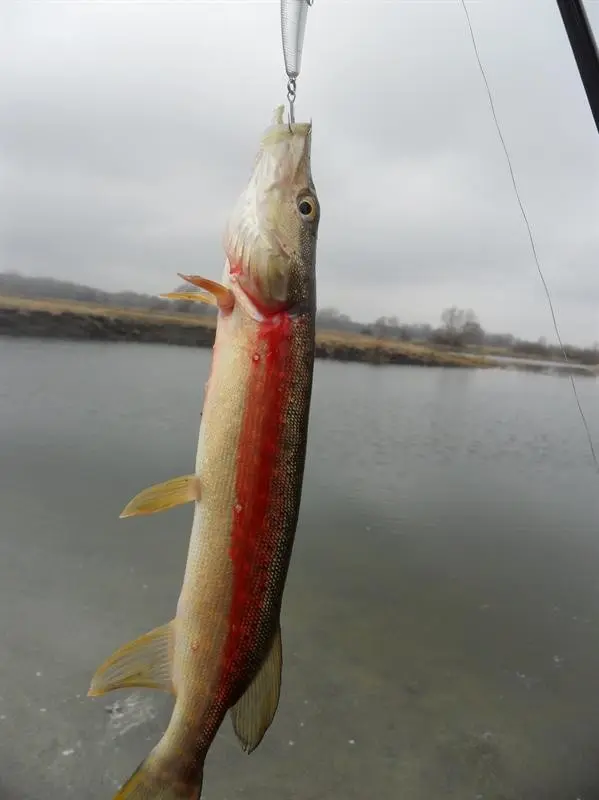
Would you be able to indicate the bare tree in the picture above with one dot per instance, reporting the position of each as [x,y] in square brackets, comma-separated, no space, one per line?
[459,327]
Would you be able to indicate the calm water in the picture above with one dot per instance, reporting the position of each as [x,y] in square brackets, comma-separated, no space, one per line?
[441,622]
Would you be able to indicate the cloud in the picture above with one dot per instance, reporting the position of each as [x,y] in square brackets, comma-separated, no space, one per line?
[127,130]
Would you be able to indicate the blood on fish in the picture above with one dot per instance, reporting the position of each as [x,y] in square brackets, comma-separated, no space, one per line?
[254,540]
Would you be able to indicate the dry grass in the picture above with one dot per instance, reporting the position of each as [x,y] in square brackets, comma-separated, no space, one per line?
[421,352]
[76,307]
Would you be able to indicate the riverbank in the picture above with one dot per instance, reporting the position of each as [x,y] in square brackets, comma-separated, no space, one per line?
[80,321]
[68,319]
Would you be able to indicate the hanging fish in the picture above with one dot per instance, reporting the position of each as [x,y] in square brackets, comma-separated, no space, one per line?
[222,651]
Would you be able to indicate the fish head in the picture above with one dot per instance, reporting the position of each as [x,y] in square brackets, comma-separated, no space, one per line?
[271,236]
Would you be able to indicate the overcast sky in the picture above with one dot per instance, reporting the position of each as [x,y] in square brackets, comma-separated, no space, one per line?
[128,128]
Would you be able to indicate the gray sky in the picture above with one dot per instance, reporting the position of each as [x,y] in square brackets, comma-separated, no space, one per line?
[128,128]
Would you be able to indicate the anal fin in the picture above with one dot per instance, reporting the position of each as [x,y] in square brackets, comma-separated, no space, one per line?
[254,712]
[145,662]
[163,496]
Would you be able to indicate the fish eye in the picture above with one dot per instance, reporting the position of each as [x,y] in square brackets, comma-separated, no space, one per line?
[307,208]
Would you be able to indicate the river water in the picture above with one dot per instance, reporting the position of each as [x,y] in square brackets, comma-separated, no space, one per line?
[441,619]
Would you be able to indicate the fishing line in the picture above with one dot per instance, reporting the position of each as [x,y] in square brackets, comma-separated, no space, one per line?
[531,239]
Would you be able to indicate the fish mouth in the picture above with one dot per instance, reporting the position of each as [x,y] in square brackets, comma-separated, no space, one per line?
[279,131]
[263,232]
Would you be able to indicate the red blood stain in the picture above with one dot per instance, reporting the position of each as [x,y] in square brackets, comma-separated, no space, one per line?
[254,537]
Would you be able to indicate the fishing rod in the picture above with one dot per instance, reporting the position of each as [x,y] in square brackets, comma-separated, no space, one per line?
[584,47]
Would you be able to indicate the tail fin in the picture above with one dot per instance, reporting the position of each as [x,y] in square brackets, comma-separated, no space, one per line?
[152,782]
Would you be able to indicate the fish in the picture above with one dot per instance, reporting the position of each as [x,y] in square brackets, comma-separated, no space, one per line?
[222,651]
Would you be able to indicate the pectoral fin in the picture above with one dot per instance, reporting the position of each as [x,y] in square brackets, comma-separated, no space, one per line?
[162,496]
[255,710]
[144,662]
[224,297]
[194,297]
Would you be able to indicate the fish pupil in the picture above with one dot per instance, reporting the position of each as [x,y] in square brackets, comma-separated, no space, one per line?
[305,208]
